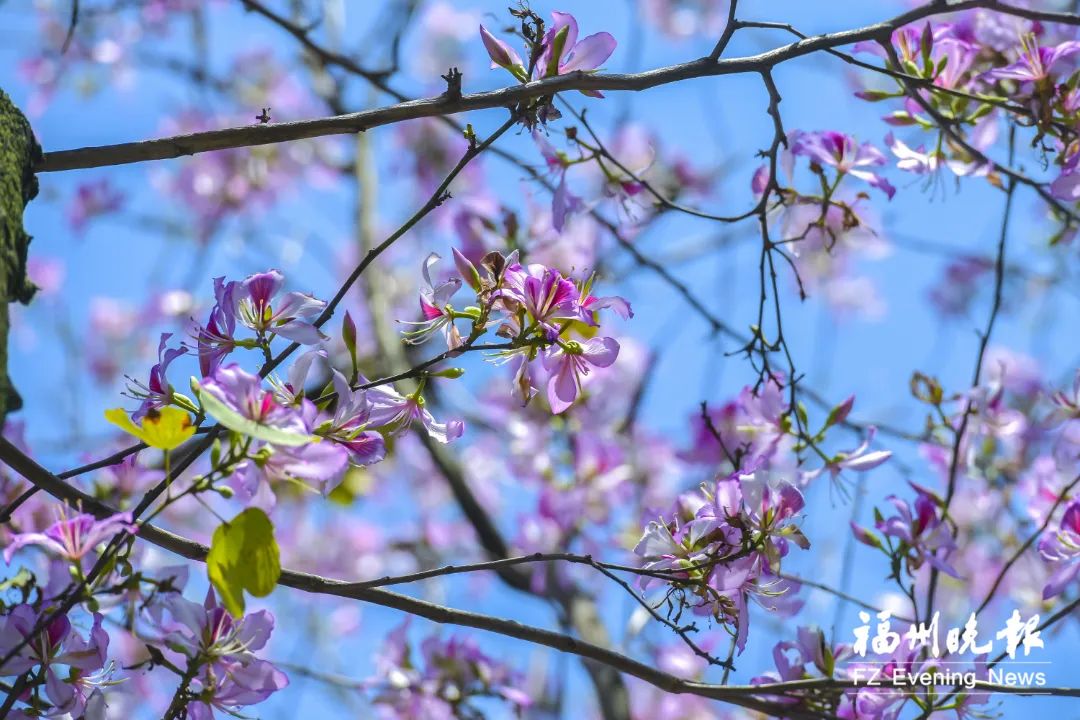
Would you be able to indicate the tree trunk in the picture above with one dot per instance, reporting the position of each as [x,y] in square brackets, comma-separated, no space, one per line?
[19,152]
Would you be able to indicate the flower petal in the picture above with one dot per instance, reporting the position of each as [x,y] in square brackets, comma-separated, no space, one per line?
[590,53]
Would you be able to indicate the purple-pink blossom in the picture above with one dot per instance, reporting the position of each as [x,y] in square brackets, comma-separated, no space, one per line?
[561,52]
[74,691]
[73,538]
[920,530]
[1035,63]
[396,413]
[1061,548]
[842,152]
[435,308]
[156,393]
[230,676]
[569,362]
[289,316]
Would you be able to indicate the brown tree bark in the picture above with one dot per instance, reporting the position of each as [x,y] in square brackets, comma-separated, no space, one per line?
[19,152]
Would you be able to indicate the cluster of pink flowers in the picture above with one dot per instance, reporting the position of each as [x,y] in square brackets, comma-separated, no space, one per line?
[75,667]
[442,681]
[219,651]
[828,229]
[919,530]
[980,54]
[593,471]
[724,545]
[809,656]
[533,306]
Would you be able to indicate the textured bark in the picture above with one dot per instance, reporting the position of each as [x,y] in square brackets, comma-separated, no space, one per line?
[19,152]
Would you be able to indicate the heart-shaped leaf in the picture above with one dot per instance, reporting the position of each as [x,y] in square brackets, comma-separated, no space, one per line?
[244,556]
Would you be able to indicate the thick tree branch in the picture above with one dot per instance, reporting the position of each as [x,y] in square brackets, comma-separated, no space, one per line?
[181,145]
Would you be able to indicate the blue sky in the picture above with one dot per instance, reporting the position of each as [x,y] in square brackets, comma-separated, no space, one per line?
[720,122]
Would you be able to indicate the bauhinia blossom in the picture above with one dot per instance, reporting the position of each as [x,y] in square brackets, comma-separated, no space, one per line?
[724,546]
[544,292]
[442,681]
[244,394]
[436,309]
[560,54]
[536,306]
[1067,402]
[254,303]
[157,392]
[349,426]
[396,413]
[290,317]
[563,53]
[73,538]
[216,339]
[920,530]
[318,464]
[843,153]
[1061,548]
[861,459]
[290,450]
[222,649]
[569,362]
[72,691]
[1035,63]
[563,202]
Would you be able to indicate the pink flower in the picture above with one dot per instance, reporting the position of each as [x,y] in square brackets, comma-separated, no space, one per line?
[843,153]
[435,307]
[915,160]
[563,202]
[501,54]
[73,538]
[209,630]
[861,459]
[396,413]
[290,318]
[1035,63]
[544,292]
[569,362]
[93,199]
[1066,185]
[564,54]
[318,464]
[1062,548]
[921,530]
[157,392]
[73,692]
[216,338]
[1068,402]
[232,677]
[243,393]
[349,425]
[561,53]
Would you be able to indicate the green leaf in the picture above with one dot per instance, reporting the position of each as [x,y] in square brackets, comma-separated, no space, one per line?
[244,556]
[237,422]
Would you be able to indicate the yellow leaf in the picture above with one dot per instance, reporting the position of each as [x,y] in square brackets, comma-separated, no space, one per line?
[164,429]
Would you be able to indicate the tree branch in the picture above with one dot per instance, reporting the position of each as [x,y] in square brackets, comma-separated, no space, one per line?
[180,145]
